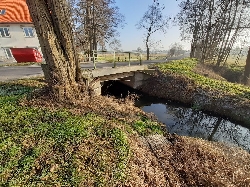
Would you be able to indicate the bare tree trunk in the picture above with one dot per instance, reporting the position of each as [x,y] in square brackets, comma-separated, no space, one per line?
[192,50]
[87,29]
[206,47]
[246,78]
[194,42]
[147,40]
[54,30]
[227,32]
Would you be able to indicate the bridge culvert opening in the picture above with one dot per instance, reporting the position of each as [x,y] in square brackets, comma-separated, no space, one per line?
[117,89]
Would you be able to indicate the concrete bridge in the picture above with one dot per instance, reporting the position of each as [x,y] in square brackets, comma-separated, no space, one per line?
[133,76]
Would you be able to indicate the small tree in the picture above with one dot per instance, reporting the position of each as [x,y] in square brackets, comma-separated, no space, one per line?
[153,21]
[139,50]
[52,23]
[175,50]
[115,44]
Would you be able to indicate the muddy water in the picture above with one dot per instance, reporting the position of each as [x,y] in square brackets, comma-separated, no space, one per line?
[186,121]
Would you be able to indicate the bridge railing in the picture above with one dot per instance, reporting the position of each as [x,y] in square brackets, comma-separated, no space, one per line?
[95,54]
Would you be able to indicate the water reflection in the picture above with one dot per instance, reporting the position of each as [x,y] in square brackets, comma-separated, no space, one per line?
[185,121]
[189,122]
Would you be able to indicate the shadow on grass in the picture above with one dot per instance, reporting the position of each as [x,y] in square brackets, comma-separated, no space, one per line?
[20,87]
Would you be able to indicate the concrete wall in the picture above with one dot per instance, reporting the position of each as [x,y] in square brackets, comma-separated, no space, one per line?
[129,75]
[134,81]
[17,39]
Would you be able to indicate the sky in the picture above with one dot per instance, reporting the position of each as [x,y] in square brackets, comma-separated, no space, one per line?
[132,38]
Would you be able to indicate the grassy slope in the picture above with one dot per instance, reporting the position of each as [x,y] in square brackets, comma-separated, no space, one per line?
[58,148]
[186,67]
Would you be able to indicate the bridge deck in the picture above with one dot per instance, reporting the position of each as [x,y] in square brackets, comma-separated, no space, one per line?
[112,71]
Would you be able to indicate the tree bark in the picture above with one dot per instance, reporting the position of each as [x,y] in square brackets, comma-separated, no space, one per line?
[147,46]
[51,19]
[246,78]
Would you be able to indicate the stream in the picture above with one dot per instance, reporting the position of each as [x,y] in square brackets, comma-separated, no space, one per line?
[186,121]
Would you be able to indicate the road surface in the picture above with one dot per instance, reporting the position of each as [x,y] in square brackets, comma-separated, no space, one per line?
[8,73]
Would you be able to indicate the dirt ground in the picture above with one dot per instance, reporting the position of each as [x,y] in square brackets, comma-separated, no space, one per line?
[185,161]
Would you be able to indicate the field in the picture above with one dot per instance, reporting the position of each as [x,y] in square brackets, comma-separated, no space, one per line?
[109,57]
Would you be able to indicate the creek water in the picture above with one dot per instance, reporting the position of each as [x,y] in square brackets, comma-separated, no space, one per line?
[186,121]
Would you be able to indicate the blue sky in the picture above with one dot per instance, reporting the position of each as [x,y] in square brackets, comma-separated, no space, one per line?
[133,10]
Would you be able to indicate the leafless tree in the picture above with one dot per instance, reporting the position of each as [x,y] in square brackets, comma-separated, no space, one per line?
[52,23]
[139,50]
[153,21]
[213,27]
[175,50]
[96,22]
[115,44]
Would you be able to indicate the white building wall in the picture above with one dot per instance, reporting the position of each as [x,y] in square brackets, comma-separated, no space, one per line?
[17,39]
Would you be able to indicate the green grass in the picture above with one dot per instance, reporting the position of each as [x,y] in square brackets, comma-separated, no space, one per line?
[236,68]
[39,147]
[146,127]
[185,67]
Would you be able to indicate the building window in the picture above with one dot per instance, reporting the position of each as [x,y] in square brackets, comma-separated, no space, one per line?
[8,53]
[2,12]
[28,31]
[4,32]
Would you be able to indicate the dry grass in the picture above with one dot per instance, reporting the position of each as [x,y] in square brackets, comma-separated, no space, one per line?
[108,107]
[207,72]
[184,161]
[231,71]
[232,60]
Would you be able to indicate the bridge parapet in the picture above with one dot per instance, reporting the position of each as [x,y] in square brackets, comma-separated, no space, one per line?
[112,71]
[132,76]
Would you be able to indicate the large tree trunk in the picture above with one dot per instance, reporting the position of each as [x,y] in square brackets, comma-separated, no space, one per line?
[246,78]
[52,23]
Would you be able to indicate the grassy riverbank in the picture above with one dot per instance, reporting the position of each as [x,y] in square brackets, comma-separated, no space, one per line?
[191,83]
[188,68]
[105,142]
